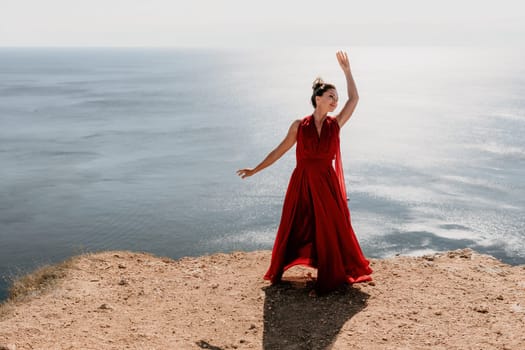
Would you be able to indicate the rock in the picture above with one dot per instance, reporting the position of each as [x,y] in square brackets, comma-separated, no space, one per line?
[121,266]
[483,309]
[461,253]
[516,308]
[105,307]
[123,282]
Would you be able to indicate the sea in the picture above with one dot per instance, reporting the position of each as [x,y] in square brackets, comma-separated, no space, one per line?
[137,149]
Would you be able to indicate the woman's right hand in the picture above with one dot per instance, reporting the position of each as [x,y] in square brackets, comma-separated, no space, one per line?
[243,173]
[277,153]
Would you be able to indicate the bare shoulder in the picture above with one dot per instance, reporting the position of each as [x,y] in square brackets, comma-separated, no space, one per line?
[291,136]
[295,125]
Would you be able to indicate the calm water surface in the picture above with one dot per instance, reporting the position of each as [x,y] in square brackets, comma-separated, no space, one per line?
[137,149]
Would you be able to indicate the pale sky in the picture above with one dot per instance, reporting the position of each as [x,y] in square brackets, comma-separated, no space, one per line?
[237,23]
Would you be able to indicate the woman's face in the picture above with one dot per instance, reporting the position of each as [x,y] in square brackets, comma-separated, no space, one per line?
[328,100]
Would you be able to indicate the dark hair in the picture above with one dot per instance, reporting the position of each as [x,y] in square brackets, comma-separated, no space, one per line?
[319,87]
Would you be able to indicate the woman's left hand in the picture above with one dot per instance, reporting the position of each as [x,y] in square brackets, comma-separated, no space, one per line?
[342,58]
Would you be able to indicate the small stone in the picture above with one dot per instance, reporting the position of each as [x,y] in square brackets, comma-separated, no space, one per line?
[121,266]
[516,308]
[252,326]
[215,286]
[105,307]
[481,309]
[371,283]
[438,313]
[499,297]
[123,282]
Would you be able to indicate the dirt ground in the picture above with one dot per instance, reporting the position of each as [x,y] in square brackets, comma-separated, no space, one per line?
[124,300]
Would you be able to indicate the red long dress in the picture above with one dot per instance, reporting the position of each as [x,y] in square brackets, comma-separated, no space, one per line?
[315,228]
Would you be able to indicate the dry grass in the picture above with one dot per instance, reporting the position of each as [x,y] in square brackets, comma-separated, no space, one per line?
[35,282]
[41,280]
[5,309]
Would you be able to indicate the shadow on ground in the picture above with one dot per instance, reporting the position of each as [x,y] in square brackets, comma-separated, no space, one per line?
[294,320]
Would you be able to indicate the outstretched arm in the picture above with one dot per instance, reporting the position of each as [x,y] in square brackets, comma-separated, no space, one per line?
[353,97]
[274,155]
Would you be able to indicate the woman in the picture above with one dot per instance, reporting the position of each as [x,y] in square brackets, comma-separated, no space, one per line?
[315,228]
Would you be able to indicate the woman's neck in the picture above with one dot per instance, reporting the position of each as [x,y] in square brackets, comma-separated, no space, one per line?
[319,116]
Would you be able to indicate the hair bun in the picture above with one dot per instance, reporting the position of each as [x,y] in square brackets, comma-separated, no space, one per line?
[318,82]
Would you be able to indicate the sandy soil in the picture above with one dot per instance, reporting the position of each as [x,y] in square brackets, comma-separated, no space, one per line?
[123,300]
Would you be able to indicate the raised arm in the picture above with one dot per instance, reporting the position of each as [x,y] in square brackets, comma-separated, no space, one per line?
[274,155]
[353,97]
